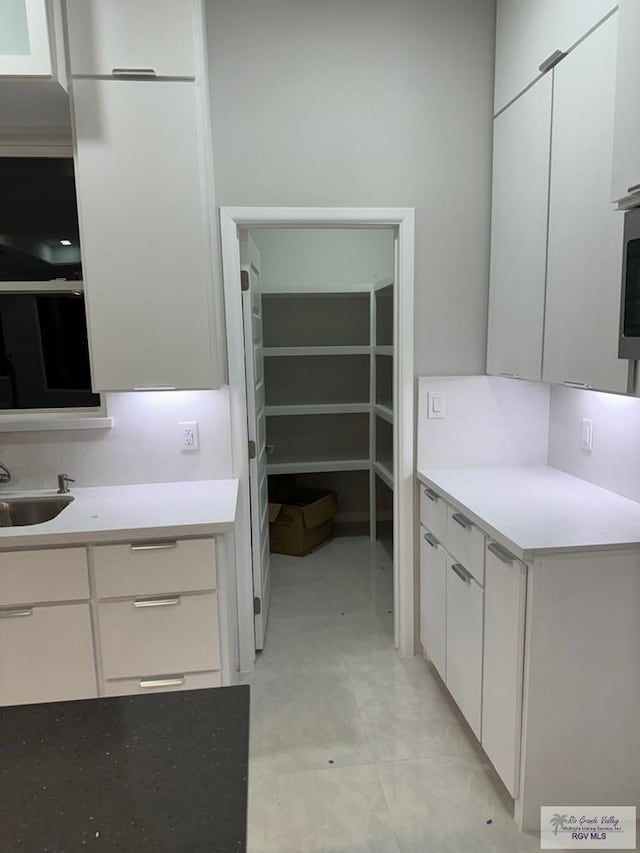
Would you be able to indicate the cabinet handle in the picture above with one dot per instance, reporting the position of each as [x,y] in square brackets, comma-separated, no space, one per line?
[433,496]
[16,614]
[178,681]
[509,375]
[156,602]
[462,573]
[155,546]
[430,539]
[462,521]
[501,553]
[573,384]
[551,60]
[134,72]
[634,188]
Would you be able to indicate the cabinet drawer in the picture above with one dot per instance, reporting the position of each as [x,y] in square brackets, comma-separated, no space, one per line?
[150,568]
[147,635]
[46,654]
[464,643]
[162,683]
[433,600]
[433,512]
[32,577]
[465,542]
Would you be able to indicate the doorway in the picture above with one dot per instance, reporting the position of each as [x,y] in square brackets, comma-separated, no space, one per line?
[357,431]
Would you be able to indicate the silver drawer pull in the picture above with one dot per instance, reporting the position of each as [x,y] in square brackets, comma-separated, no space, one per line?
[509,375]
[157,602]
[433,496]
[462,573]
[177,681]
[634,188]
[501,553]
[155,546]
[462,521]
[551,60]
[16,614]
[428,537]
[572,383]
[134,72]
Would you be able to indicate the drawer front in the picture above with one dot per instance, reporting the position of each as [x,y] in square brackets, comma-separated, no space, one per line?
[46,654]
[154,568]
[147,635]
[465,542]
[433,600]
[433,513]
[464,643]
[162,683]
[33,577]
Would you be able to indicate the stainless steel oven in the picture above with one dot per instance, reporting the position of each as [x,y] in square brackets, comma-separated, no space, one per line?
[629,340]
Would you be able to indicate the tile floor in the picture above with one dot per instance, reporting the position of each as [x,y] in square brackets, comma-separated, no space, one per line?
[353,749]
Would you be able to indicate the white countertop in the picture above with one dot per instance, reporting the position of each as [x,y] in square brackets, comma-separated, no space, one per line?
[539,510]
[121,513]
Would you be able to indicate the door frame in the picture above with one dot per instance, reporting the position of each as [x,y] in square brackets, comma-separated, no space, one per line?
[234,219]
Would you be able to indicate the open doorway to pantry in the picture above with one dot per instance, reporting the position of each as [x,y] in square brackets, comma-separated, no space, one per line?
[320,341]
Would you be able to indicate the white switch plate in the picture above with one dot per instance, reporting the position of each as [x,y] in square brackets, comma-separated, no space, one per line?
[435,404]
[586,434]
[189,435]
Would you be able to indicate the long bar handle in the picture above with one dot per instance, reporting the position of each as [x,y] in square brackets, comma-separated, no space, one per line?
[178,681]
[134,72]
[634,188]
[155,546]
[16,614]
[462,520]
[551,60]
[462,573]
[433,496]
[573,384]
[157,602]
[501,553]
[431,540]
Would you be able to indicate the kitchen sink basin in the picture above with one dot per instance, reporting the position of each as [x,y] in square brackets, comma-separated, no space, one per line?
[18,512]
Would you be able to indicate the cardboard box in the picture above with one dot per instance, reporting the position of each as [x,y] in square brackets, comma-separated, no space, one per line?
[300,519]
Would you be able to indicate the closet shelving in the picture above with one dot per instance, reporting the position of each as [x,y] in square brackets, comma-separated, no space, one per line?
[329,384]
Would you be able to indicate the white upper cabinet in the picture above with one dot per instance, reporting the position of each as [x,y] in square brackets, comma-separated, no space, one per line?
[521,149]
[152,37]
[25,49]
[529,31]
[585,233]
[145,233]
[626,152]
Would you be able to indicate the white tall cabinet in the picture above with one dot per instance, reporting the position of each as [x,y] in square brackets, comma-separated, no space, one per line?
[626,159]
[145,194]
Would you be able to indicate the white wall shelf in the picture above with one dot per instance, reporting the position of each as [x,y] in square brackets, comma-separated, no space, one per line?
[384,412]
[319,409]
[281,352]
[384,350]
[309,467]
[385,475]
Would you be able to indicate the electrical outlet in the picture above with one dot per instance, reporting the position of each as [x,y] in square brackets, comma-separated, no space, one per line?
[586,434]
[189,435]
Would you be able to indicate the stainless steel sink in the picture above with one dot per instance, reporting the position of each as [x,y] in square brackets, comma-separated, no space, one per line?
[18,512]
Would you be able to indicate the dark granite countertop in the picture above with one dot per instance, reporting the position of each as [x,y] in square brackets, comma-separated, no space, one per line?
[159,772]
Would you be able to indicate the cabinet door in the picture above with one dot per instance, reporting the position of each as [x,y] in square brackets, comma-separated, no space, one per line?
[144,234]
[464,642]
[504,607]
[521,150]
[25,49]
[107,36]
[46,654]
[433,600]
[529,31]
[626,153]
[585,233]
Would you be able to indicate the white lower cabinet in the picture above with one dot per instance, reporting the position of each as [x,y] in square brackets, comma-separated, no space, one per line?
[46,654]
[433,600]
[163,683]
[504,602]
[464,642]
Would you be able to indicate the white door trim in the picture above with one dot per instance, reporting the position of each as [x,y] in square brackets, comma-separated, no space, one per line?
[402,219]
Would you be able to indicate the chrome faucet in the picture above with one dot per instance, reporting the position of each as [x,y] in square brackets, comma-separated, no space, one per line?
[5,474]
[63,483]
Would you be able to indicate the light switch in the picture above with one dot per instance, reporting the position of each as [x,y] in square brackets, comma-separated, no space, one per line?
[586,434]
[435,404]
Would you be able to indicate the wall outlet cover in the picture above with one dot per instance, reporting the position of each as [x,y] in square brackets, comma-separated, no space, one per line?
[586,434]
[189,439]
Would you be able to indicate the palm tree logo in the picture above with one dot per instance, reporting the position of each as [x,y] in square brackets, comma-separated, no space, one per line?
[557,822]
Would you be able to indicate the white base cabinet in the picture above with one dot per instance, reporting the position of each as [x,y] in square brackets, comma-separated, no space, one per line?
[433,600]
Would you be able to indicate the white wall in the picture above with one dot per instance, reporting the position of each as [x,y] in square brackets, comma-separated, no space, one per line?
[614,462]
[142,447]
[316,259]
[369,103]
[489,421]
